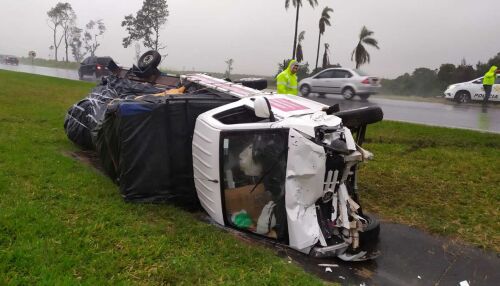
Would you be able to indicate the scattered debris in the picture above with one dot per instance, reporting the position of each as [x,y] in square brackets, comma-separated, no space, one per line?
[362,284]
[419,277]
[328,269]
[342,277]
[328,265]
[464,283]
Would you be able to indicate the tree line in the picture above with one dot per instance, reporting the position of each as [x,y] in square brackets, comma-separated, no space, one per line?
[143,27]
[359,55]
[62,21]
[428,82]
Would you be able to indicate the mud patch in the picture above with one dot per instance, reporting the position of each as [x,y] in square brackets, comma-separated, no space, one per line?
[89,158]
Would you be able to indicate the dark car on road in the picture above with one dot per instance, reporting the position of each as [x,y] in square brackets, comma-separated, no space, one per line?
[10,60]
[95,67]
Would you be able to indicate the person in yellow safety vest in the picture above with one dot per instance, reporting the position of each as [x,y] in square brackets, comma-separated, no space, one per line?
[286,81]
[488,82]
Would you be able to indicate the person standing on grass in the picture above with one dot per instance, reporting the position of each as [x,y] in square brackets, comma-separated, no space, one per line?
[286,81]
[488,82]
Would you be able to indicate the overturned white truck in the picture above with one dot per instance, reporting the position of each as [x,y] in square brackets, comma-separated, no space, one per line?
[276,166]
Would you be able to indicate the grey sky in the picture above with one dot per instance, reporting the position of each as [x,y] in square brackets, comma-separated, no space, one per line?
[257,34]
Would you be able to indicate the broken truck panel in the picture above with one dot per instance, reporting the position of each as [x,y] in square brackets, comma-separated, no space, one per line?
[304,186]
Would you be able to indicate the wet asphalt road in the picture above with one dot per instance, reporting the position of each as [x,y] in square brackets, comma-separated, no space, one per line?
[408,256]
[55,72]
[468,116]
[450,114]
[62,73]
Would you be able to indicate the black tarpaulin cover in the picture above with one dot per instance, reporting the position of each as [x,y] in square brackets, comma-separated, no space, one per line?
[84,116]
[145,145]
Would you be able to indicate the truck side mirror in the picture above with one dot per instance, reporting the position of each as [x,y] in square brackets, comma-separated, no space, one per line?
[263,109]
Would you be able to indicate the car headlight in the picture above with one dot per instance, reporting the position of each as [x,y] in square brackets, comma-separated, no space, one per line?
[452,86]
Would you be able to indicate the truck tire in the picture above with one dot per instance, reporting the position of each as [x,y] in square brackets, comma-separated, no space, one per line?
[370,231]
[255,83]
[361,116]
[148,60]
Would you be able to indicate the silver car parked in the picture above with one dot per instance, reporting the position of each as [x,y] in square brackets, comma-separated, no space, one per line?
[348,82]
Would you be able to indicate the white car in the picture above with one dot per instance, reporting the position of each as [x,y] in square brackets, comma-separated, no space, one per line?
[348,82]
[471,90]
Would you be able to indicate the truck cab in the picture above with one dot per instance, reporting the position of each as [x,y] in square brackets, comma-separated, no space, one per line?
[279,167]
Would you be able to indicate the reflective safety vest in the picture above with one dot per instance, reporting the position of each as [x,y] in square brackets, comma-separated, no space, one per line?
[286,82]
[489,77]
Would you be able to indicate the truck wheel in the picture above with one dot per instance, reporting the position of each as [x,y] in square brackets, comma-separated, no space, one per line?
[370,231]
[462,97]
[348,93]
[305,90]
[148,60]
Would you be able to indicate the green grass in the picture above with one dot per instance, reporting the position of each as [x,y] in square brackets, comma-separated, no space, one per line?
[446,181]
[61,222]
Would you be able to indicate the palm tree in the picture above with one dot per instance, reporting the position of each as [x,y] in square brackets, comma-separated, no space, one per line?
[300,54]
[326,58]
[360,54]
[323,22]
[298,4]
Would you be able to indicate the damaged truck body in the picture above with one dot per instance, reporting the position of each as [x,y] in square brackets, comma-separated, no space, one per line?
[276,166]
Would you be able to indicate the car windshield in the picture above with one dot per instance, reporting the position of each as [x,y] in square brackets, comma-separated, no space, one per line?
[360,72]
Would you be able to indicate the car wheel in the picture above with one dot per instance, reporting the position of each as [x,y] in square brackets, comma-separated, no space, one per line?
[321,94]
[462,97]
[364,96]
[305,90]
[348,93]
[149,60]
